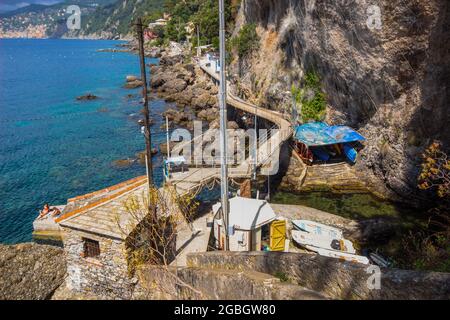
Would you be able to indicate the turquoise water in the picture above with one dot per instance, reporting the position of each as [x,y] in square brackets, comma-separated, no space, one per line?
[53,147]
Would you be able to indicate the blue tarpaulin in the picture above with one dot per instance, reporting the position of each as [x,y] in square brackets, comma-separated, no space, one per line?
[321,134]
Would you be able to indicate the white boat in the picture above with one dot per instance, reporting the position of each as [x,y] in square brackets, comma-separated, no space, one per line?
[304,238]
[318,229]
[339,255]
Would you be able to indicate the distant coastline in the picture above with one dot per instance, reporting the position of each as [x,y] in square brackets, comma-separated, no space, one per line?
[69,38]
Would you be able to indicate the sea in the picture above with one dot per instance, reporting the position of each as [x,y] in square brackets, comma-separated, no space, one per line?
[52,146]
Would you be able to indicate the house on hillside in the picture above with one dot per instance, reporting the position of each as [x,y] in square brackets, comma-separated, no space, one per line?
[158,23]
[149,35]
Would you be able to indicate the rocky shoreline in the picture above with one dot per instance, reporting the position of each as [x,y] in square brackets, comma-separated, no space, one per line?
[29,271]
[183,83]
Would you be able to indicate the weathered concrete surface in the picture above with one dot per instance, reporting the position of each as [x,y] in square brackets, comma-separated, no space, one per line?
[334,278]
[30,271]
[200,283]
[192,238]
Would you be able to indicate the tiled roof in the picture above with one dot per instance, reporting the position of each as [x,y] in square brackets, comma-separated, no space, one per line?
[102,212]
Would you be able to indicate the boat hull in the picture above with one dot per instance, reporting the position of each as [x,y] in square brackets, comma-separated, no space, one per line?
[318,229]
[339,255]
[304,239]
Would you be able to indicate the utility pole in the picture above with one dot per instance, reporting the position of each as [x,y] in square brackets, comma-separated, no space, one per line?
[145,111]
[255,145]
[167,137]
[199,51]
[223,125]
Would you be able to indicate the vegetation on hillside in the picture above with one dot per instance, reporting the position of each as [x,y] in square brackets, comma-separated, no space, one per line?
[430,249]
[311,98]
[246,41]
[203,14]
[115,18]
[435,171]
[118,18]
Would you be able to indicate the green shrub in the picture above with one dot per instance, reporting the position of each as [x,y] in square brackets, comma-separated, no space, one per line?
[246,41]
[315,108]
[282,276]
[204,14]
[312,108]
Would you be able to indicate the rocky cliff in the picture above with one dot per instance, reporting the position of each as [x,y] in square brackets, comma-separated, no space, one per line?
[30,271]
[386,77]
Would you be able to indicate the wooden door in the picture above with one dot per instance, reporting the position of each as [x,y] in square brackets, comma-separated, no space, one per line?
[277,235]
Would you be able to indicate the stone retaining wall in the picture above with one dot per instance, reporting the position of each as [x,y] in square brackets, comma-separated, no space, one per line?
[333,278]
[201,283]
[339,177]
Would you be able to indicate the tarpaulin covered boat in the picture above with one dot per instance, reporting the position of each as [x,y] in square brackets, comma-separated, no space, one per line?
[321,140]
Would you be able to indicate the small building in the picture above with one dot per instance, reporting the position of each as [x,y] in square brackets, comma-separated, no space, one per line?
[149,35]
[250,226]
[213,61]
[317,141]
[158,23]
[96,228]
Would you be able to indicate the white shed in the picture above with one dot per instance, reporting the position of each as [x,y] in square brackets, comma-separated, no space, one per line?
[247,218]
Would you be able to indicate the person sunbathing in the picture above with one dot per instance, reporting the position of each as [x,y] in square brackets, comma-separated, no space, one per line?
[56,212]
[44,211]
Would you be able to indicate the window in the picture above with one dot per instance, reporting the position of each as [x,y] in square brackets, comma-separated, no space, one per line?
[91,248]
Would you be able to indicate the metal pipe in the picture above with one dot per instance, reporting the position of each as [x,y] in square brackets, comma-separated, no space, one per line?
[168,147]
[147,135]
[167,137]
[223,125]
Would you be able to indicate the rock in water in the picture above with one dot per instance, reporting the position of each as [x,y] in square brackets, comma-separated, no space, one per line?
[30,271]
[133,84]
[123,162]
[141,155]
[163,147]
[88,96]
[131,78]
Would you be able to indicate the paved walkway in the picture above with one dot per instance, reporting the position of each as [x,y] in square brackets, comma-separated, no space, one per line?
[192,238]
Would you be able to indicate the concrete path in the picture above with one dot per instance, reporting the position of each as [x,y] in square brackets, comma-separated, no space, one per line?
[191,239]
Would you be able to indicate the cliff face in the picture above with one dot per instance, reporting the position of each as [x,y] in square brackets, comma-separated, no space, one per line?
[390,83]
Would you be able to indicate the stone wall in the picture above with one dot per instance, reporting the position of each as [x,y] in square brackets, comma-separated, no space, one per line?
[338,177]
[333,278]
[202,283]
[105,276]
